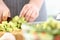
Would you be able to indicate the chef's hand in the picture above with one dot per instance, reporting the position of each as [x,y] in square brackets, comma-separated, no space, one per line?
[30,12]
[4,11]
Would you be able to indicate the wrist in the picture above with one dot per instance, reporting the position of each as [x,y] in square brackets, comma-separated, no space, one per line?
[38,3]
[1,2]
[36,6]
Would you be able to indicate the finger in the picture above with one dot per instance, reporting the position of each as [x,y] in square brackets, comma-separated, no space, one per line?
[24,10]
[31,19]
[9,15]
[28,14]
[33,16]
[0,17]
[5,15]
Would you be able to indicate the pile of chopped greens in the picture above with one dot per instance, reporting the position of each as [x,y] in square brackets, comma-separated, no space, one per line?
[13,25]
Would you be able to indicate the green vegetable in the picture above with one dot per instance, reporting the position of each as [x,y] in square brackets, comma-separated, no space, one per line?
[13,25]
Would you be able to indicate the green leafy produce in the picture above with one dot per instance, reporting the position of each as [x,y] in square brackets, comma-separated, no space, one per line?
[13,25]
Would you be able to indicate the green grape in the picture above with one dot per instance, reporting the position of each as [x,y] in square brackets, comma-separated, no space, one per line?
[4,23]
[58,25]
[13,25]
[15,19]
[8,25]
[45,25]
[1,28]
[8,29]
[52,23]
[55,31]
[22,20]
[19,26]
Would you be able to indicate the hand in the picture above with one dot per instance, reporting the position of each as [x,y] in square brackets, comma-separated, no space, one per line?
[4,11]
[30,12]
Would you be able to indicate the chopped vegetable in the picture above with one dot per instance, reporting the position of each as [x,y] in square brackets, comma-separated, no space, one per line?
[13,25]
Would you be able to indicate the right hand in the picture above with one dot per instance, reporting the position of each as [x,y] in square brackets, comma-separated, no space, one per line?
[4,11]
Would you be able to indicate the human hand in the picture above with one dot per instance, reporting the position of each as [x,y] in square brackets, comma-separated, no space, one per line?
[4,11]
[30,12]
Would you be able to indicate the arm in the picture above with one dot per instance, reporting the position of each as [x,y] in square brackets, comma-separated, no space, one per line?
[38,3]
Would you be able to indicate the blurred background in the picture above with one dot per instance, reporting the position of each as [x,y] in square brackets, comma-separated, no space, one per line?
[53,7]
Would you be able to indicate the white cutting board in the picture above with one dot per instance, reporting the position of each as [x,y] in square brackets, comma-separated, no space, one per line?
[7,36]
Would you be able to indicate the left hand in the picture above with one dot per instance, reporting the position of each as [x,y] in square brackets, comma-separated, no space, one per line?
[30,12]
